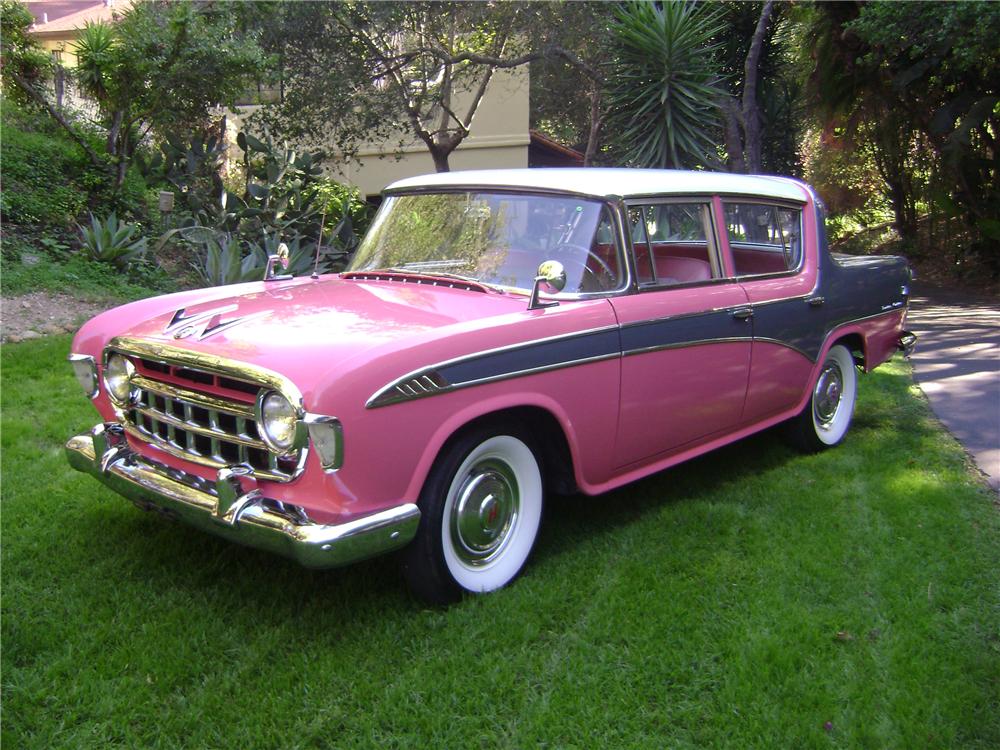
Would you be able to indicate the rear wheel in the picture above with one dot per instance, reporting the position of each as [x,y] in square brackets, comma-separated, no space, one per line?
[827,415]
[480,511]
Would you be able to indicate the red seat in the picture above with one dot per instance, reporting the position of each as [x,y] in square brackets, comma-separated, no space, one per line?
[682,270]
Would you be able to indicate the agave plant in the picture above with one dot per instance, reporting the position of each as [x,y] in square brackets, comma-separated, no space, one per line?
[112,242]
[663,90]
[223,262]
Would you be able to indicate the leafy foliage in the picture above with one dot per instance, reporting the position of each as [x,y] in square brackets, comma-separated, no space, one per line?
[285,199]
[223,262]
[48,179]
[140,69]
[23,56]
[917,84]
[663,85]
[109,241]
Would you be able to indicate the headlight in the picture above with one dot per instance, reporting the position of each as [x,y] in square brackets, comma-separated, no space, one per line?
[85,370]
[278,421]
[117,378]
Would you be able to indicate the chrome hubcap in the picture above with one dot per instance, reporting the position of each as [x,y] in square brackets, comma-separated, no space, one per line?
[827,394]
[485,511]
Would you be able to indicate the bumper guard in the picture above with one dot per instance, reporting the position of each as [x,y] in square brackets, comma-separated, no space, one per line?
[234,508]
[907,342]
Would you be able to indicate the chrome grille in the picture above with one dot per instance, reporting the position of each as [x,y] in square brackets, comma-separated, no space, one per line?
[204,428]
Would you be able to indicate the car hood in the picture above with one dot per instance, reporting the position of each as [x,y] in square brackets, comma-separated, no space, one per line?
[303,328]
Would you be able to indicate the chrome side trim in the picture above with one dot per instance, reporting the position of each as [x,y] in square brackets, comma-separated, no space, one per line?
[764,339]
[383,396]
[258,522]
[686,344]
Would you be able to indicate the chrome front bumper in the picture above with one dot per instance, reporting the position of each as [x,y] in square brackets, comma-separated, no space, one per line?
[232,507]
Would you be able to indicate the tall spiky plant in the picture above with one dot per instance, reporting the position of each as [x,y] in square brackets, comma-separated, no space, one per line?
[662,87]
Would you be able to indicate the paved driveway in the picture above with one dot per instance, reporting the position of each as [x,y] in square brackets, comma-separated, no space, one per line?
[957,365]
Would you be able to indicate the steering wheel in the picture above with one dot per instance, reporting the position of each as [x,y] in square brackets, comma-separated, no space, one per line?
[573,252]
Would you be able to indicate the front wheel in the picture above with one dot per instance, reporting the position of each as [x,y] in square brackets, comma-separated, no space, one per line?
[480,511]
[827,415]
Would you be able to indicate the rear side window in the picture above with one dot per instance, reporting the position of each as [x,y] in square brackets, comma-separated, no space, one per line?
[673,242]
[764,238]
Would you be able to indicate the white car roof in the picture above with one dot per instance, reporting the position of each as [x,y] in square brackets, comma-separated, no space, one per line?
[613,183]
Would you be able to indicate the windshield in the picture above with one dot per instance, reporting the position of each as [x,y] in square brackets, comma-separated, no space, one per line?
[494,238]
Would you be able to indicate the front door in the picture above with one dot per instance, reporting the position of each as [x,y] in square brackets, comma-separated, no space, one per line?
[686,336]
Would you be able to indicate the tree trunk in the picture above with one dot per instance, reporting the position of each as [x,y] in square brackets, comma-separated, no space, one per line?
[734,141]
[595,126]
[751,110]
[440,156]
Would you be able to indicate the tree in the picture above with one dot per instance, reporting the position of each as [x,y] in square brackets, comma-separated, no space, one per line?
[568,76]
[918,84]
[26,68]
[372,71]
[936,67]
[162,66]
[664,87]
[759,114]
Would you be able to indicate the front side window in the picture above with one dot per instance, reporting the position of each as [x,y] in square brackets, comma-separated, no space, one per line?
[494,238]
[763,238]
[673,242]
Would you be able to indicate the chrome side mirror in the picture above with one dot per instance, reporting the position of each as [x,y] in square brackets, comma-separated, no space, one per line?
[553,275]
[280,258]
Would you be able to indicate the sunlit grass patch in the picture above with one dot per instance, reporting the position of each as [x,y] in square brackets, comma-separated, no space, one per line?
[754,597]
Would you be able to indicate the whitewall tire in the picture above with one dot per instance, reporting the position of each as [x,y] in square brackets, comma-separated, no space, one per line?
[827,415]
[480,512]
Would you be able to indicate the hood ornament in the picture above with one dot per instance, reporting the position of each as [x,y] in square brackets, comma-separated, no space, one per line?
[280,258]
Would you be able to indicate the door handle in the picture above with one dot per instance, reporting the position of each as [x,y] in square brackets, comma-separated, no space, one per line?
[816,301]
[742,313]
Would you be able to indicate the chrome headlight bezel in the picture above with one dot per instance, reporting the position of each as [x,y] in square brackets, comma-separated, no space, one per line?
[327,435]
[85,371]
[293,436]
[117,378]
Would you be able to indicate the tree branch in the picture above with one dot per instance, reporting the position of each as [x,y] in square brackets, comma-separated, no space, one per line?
[58,117]
[553,50]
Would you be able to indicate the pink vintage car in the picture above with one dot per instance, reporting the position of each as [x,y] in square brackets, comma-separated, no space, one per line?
[497,335]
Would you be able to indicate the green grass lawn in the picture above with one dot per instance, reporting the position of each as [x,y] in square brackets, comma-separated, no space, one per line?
[752,598]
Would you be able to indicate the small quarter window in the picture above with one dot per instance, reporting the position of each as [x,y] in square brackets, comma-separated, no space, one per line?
[764,238]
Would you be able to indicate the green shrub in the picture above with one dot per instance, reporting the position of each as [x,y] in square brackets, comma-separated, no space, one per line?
[36,184]
[47,178]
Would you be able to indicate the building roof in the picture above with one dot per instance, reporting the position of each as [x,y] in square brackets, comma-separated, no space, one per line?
[547,152]
[58,17]
[614,183]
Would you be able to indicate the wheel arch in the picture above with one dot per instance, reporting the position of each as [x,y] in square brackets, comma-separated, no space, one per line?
[853,338]
[549,438]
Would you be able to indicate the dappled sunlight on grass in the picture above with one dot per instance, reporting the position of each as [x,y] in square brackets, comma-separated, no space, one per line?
[752,597]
